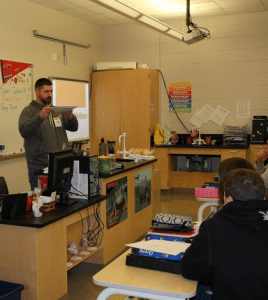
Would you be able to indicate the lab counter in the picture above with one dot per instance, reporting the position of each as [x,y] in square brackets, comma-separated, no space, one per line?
[53,216]
[171,177]
[34,250]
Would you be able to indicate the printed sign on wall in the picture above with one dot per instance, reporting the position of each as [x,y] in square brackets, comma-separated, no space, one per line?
[143,184]
[116,203]
[180,94]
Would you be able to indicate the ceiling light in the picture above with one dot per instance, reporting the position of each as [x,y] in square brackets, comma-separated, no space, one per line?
[121,7]
[154,23]
[175,33]
[138,16]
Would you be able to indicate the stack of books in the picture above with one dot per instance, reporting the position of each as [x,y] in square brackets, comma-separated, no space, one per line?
[163,249]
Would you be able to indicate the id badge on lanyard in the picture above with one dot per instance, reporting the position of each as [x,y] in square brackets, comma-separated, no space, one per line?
[57,122]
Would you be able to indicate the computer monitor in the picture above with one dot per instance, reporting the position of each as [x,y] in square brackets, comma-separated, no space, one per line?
[60,173]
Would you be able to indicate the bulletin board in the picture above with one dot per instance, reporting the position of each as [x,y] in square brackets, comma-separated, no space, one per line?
[15,94]
[68,92]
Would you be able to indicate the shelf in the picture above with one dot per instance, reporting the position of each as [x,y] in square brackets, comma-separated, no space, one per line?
[184,179]
[84,257]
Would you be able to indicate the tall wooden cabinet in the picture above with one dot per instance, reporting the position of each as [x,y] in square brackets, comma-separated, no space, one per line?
[124,101]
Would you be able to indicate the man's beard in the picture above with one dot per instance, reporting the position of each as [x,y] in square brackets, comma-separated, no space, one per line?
[46,101]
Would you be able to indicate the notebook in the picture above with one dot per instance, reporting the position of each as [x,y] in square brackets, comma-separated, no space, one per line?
[14,205]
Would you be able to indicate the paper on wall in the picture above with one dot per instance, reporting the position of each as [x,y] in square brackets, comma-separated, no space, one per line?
[195,121]
[205,113]
[161,246]
[219,115]
[243,109]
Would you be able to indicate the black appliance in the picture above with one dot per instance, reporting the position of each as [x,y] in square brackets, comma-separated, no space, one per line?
[259,124]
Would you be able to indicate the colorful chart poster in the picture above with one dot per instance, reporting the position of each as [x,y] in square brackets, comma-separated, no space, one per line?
[180,94]
[116,203]
[143,184]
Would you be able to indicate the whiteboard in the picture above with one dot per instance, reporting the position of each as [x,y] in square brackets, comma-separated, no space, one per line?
[67,92]
[15,94]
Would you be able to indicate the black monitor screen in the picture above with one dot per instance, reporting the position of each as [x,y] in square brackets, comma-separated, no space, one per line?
[60,173]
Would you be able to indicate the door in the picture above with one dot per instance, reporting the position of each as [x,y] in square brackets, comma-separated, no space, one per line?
[135,108]
[105,108]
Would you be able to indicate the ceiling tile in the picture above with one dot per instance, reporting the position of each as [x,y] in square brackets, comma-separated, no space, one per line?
[76,12]
[59,4]
[237,3]
[159,9]
[244,10]
[81,3]
[98,9]
[41,1]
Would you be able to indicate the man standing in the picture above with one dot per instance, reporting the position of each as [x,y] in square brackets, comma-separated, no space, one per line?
[43,130]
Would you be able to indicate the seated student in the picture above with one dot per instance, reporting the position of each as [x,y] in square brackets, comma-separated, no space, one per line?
[233,244]
[228,165]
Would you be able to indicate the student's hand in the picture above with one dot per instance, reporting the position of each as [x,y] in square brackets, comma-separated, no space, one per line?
[68,114]
[262,155]
[45,112]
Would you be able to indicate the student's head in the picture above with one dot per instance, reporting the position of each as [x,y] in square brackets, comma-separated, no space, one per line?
[227,166]
[43,91]
[243,185]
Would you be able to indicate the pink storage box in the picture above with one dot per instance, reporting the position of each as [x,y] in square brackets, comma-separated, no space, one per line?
[207,193]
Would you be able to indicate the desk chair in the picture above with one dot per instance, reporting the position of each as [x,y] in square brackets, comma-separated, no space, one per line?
[3,186]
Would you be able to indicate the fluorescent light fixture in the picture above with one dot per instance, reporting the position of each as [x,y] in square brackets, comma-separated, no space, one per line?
[138,16]
[154,23]
[121,7]
[175,33]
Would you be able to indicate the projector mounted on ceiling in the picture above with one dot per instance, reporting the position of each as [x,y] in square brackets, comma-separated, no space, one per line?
[194,33]
[193,36]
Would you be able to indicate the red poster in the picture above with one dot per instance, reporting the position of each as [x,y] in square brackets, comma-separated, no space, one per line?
[11,69]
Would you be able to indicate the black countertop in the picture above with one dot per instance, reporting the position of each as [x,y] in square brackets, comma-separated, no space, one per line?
[128,165]
[205,146]
[55,215]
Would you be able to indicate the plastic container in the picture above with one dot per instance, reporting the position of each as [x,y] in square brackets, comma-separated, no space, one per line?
[102,148]
[207,193]
[104,165]
[10,291]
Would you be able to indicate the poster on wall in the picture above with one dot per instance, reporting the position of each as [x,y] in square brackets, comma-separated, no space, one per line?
[13,72]
[180,94]
[143,184]
[15,94]
[116,203]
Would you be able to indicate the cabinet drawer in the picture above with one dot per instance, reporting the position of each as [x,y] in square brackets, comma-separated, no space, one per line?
[228,153]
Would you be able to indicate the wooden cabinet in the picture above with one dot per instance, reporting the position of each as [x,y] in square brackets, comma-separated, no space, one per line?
[124,101]
[228,153]
[171,178]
